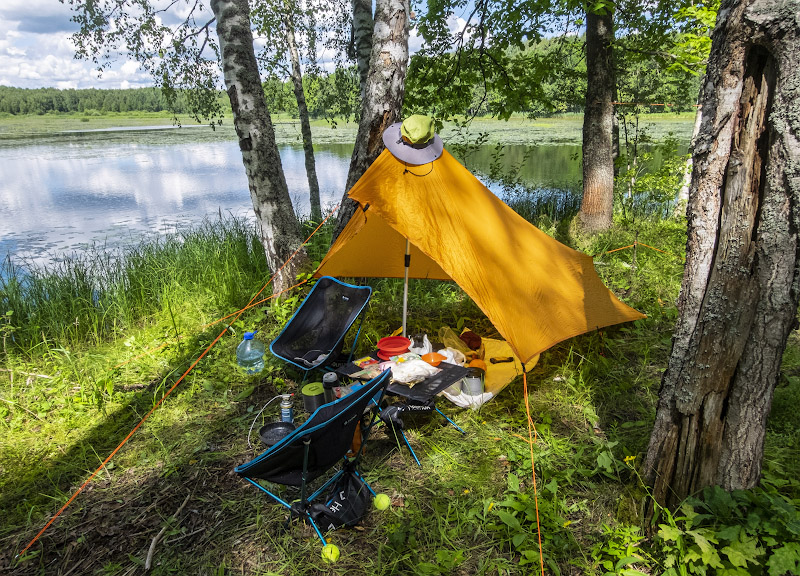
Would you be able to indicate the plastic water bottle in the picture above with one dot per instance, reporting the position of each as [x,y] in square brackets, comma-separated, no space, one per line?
[250,353]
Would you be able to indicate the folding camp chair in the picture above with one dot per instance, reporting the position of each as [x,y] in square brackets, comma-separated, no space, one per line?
[314,449]
[315,333]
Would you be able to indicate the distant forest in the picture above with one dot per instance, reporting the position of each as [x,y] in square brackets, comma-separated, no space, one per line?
[18,101]
[335,95]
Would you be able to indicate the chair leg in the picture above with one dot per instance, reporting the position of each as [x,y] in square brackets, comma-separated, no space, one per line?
[448,419]
[360,477]
[414,454]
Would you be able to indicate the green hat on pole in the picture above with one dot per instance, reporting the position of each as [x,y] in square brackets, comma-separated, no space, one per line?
[414,141]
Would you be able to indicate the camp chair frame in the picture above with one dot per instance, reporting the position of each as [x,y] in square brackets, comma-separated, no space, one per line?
[312,313]
[318,446]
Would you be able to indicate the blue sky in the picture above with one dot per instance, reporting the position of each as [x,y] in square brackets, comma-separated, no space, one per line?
[36,50]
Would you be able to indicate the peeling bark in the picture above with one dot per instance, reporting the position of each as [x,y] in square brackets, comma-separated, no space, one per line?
[597,205]
[741,286]
[382,97]
[278,226]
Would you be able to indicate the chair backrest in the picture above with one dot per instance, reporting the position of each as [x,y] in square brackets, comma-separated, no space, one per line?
[319,325]
[329,431]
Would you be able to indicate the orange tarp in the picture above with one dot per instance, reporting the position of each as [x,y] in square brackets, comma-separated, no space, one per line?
[535,290]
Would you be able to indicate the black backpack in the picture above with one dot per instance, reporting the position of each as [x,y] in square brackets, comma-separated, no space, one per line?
[347,503]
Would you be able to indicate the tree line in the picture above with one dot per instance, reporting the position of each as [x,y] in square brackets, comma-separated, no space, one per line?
[20,101]
[334,95]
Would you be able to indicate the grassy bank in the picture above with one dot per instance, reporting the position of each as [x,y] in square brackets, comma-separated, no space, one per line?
[561,129]
[92,346]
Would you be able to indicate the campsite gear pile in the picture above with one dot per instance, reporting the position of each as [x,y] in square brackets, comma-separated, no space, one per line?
[535,291]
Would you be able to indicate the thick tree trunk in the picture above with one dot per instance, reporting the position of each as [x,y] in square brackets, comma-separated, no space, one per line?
[279,229]
[741,285]
[382,98]
[305,124]
[597,206]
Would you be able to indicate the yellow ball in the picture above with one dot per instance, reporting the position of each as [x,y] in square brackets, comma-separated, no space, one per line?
[382,501]
[330,553]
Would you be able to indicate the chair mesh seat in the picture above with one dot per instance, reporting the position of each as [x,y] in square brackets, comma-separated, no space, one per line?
[316,331]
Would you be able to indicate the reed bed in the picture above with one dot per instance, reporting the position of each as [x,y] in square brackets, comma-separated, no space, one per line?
[92,296]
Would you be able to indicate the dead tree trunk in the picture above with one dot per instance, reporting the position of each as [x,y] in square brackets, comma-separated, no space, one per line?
[382,97]
[279,229]
[741,285]
[597,205]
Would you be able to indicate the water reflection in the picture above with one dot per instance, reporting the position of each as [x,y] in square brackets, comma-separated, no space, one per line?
[61,193]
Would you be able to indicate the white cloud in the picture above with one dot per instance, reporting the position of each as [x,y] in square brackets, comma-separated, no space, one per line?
[36,50]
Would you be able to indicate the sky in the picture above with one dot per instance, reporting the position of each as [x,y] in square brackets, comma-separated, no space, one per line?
[36,51]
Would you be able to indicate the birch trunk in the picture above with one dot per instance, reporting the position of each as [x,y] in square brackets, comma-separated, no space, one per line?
[597,205]
[382,98]
[740,289]
[278,226]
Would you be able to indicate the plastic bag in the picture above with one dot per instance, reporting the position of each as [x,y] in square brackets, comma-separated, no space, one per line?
[412,371]
[466,400]
[424,348]
[453,356]
[451,340]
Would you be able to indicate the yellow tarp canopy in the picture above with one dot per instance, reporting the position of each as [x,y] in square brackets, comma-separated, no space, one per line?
[536,291]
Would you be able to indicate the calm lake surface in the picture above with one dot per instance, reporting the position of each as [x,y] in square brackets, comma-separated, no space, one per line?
[62,193]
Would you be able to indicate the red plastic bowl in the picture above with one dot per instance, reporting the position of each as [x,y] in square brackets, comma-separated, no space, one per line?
[393,345]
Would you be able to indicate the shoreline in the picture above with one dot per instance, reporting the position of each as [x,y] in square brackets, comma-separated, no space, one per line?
[564,129]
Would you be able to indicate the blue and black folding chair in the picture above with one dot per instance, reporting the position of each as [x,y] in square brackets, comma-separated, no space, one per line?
[315,334]
[317,448]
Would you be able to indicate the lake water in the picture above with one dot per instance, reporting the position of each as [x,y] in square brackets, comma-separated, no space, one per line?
[61,193]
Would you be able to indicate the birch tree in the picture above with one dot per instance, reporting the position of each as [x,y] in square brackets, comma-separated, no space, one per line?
[184,44]
[382,92]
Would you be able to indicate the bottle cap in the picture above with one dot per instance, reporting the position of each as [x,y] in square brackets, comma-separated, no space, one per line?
[330,379]
[249,335]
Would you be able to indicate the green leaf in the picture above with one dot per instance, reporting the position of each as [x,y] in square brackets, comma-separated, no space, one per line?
[244,393]
[513,483]
[785,560]
[735,557]
[709,553]
[519,539]
[628,560]
[604,461]
[740,553]
[729,533]
[670,533]
[509,520]
[552,486]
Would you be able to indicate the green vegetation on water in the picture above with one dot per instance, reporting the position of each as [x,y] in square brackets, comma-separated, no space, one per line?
[91,345]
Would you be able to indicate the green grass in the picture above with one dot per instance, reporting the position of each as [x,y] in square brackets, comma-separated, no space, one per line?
[71,391]
[560,129]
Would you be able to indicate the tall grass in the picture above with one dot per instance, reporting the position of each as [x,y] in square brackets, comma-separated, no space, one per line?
[89,297]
